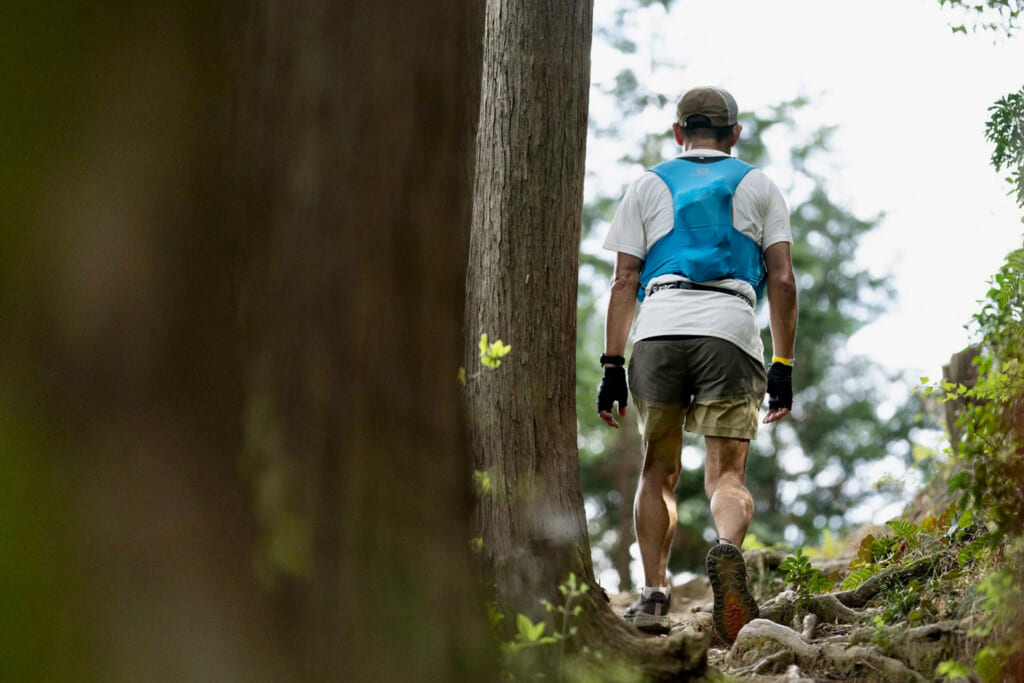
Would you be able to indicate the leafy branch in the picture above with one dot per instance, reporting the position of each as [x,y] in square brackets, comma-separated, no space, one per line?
[806,580]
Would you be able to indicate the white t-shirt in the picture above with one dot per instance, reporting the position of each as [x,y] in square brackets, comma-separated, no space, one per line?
[645,215]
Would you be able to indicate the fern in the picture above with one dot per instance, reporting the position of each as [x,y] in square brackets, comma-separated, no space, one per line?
[905,531]
[859,575]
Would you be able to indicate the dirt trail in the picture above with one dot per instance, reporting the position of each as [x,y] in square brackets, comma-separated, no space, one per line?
[831,637]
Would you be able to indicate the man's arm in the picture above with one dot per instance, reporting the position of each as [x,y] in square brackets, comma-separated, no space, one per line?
[782,304]
[621,306]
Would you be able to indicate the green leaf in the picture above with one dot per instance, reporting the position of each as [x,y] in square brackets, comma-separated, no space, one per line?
[960,480]
[951,669]
[491,353]
[482,481]
[524,626]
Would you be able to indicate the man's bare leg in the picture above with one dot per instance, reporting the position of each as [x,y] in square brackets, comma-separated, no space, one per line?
[732,506]
[654,510]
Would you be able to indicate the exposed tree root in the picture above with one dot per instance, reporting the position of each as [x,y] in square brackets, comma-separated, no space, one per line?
[810,623]
[829,609]
[781,609]
[761,641]
[859,596]
[773,663]
[682,655]
[786,607]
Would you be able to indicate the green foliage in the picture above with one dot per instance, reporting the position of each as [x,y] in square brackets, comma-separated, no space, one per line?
[831,546]
[492,353]
[859,575]
[752,542]
[1001,595]
[805,579]
[906,602]
[1002,16]
[987,475]
[1005,130]
[530,636]
[990,478]
[908,542]
[482,482]
[950,670]
[905,531]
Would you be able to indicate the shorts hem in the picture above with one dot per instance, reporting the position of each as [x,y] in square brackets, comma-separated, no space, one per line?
[722,432]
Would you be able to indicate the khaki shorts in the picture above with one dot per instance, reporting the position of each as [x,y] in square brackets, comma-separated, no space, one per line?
[704,384]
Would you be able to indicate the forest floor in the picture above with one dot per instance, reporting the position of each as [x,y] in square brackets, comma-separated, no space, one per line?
[910,607]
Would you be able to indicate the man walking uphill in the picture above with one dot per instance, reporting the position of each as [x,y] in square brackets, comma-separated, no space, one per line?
[697,239]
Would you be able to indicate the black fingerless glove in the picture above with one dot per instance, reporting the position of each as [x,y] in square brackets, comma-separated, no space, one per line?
[613,389]
[780,386]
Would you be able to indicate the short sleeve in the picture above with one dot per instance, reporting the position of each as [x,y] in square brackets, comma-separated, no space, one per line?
[627,234]
[775,217]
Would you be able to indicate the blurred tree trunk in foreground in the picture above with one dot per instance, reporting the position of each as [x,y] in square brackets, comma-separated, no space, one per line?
[127,535]
[521,288]
[146,311]
[356,119]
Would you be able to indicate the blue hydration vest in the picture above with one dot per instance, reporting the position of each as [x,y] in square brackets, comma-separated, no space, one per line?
[703,243]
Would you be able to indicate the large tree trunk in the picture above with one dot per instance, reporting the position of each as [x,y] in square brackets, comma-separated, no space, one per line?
[357,122]
[521,288]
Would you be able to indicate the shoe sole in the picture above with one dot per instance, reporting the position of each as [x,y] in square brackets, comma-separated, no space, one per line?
[734,606]
[650,623]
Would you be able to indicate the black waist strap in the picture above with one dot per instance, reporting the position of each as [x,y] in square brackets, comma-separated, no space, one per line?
[683,284]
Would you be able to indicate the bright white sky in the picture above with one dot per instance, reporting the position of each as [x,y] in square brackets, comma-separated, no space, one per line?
[910,100]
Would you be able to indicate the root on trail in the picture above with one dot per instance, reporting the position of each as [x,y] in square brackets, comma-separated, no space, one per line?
[681,654]
[860,596]
[810,623]
[782,640]
[787,606]
[764,644]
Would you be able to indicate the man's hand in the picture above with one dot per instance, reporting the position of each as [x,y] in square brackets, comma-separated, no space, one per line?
[612,390]
[780,392]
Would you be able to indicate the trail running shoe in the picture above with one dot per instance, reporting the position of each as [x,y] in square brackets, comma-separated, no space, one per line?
[734,605]
[650,614]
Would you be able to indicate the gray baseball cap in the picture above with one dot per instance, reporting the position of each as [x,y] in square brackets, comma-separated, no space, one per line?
[715,103]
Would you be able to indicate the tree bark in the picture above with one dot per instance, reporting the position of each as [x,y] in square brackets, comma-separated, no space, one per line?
[959,370]
[521,288]
[357,124]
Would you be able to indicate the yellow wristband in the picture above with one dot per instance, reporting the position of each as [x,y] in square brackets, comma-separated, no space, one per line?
[784,361]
